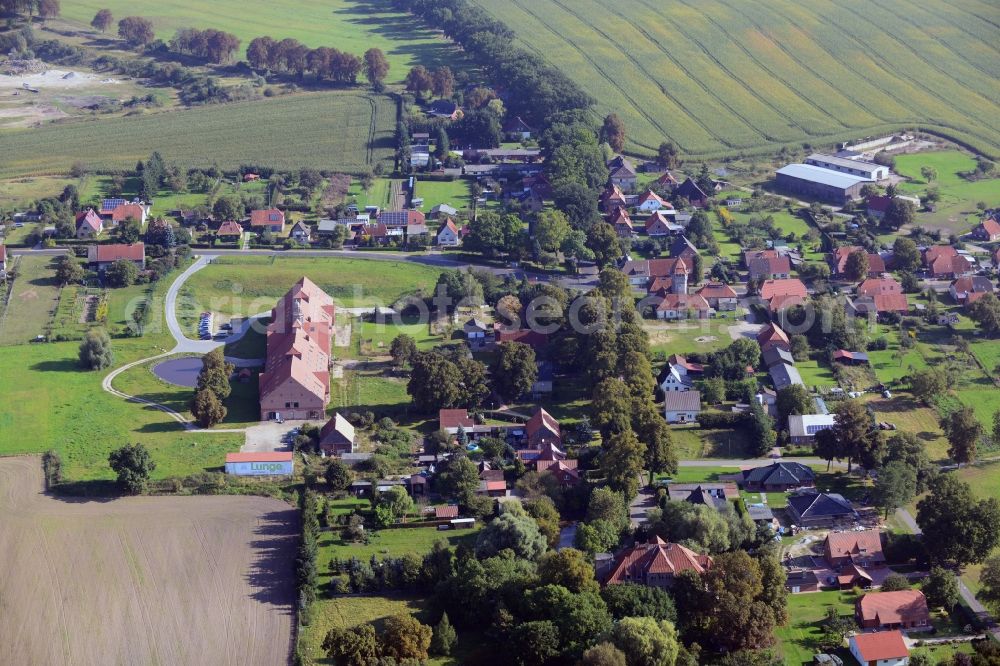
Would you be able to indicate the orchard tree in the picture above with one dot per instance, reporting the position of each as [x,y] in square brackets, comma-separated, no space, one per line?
[929,383]
[403,350]
[121,273]
[68,270]
[102,20]
[95,350]
[133,465]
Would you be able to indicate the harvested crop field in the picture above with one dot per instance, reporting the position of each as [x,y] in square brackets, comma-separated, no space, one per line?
[142,580]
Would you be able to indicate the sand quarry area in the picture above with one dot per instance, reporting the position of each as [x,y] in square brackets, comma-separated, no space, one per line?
[142,580]
[54,79]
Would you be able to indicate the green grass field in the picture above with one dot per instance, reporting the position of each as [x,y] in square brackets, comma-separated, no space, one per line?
[251,285]
[956,211]
[720,76]
[33,300]
[456,193]
[345,131]
[49,402]
[799,637]
[345,24]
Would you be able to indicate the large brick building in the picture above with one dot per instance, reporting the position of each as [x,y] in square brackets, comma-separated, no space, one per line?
[295,383]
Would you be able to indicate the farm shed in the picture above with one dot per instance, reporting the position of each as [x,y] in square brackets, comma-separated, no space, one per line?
[261,463]
[820,183]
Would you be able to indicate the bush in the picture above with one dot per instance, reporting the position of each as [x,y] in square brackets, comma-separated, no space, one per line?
[722,419]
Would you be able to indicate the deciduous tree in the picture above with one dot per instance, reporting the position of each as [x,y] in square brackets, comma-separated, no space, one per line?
[376,67]
[405,637]
[645,641]
[622,461]
[95,350]
[958,528]
[856,267]
[513,370]
[102,20]
[986,313]
[963,430]
[419,80]
[896,485]
[613,132]
[635,600]
[403,350]
[941,589]
[518,533]
[136,30]
[358,646]
[905,253]
[443,82]
[603,654]
[133,465]
[569,568]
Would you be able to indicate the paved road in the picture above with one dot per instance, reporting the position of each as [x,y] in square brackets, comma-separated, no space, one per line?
[183,344]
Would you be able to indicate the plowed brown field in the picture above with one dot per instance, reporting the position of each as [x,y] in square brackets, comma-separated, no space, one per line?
[142,580]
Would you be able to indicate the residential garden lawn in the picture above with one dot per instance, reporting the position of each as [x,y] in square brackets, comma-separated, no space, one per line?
[342,24]
[773,500]
[32,301]
[747,79]
[956,211]
[699,474]
[685,337]
[788,223]
[375,338]
[376,195]
[987,352]
[692,442]
[349,131]
[16,192]
[387,543]
[250,285]
[371,387]
[50,403]
[349,611]
[911,416]
[456,193]
[799,638]
[814,374]
[938,653]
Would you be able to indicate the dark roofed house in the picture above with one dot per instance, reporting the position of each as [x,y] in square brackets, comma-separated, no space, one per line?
[690,191]
[820,509]
[515,128]
[401,218]
[776,355]
[778,477]
[681,406]
[684,249]
[443,108]
[784,375]
[715,495]
[534,339]
[801,580]
[622,173]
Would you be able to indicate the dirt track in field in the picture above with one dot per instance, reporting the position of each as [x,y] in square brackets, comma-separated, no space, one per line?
[142,580]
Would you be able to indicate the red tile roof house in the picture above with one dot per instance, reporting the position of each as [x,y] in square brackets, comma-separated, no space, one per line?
[683,306]
[657,225]
[229,229]
[622,223]
[611,198]
[838,261]
[767,264]
[654,563]
[988,230]
[904,609]
[772,336]
[102,256]
[967,290]
[720,296]
[651,201]
[542,428]
[448,234]
[88,224]
[643,272]
[129,211]
[863,548]
[944,261]
[534,339]
[564,471]
[781,294]
[296,378]
[885,648]
[337,436]
[270,219]
[880,295]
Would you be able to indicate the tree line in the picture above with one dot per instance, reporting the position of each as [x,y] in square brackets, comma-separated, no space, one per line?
[290,56]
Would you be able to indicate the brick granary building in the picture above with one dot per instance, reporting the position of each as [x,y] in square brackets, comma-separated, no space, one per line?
[295,383]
